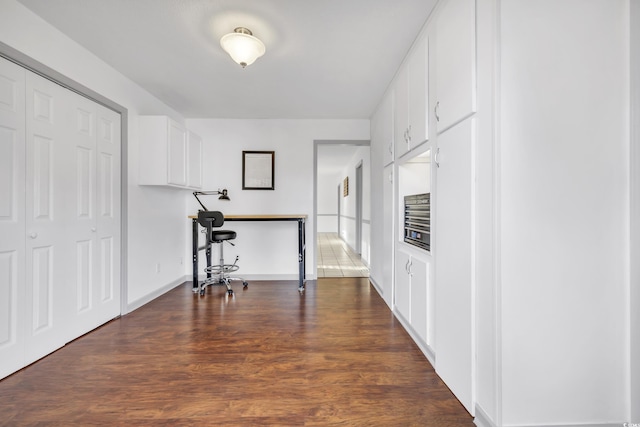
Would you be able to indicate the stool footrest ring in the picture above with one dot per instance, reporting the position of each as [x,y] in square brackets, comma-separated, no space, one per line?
[226,268]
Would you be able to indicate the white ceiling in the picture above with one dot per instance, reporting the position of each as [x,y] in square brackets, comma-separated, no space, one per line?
[332,159]
[325,58]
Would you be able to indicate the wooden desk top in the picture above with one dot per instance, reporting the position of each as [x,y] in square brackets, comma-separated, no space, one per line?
[284,217]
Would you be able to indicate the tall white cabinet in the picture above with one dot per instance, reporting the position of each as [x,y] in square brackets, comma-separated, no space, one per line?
[435,134]
[59,216]
[454,61]
[453,261]
[529,307]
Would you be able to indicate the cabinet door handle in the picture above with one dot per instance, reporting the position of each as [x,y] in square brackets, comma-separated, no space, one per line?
[435,111]
[406,266]
[409,134]
[436,156]
[33,235]
[409,270]
[391,149]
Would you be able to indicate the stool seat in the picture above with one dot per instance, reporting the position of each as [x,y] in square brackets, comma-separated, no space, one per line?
[217,274]
[220,235]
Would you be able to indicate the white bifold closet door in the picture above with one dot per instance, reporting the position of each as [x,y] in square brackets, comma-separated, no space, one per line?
[59,216]
[12,217]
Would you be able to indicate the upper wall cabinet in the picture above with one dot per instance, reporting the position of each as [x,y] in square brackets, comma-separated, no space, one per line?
[169,154]
[455,63]
[382,128]
[194,160]
[411,95]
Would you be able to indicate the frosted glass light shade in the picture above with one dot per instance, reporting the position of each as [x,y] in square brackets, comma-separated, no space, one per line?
[242,46]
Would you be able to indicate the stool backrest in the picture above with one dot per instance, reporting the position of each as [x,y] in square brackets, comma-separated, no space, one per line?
[210,219]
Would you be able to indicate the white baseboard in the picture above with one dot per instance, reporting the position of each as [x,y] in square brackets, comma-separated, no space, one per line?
[132,306]
[377,287]
[570,425]
[482,419]
[153,295]
[426,350]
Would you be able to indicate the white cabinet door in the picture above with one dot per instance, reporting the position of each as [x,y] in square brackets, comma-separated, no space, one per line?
[177,154]
[412,281]
[388,236]
[418,129]
[402,297]
[194,160]
[12,217]
[172,155]
[411,96]
[455,62]
[384,127]
[401,112]
[419,272]
[452,250]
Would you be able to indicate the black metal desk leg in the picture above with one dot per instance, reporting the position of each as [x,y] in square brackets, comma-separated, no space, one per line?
[301,254]
[194,247]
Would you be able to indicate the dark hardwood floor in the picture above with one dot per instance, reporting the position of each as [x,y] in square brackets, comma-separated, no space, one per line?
[333,356]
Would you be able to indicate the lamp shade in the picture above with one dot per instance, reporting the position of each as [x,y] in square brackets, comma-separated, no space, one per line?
[242,46]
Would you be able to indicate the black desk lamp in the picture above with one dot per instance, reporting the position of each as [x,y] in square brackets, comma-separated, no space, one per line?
[222,193]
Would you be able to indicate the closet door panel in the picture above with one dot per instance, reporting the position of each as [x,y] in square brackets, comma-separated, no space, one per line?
[93,136]
[49,205]
[107,271]
[12,223]
[82,136]
[59,216]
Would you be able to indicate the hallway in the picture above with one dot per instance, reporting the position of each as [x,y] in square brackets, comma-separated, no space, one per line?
[336,259]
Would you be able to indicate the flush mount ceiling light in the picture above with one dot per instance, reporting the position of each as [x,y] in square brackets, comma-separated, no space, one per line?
[242,46]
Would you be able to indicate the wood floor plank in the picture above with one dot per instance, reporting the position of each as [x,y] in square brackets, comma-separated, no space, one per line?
[333,355]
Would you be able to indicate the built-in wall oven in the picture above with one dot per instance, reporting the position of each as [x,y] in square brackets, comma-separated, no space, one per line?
[417,220]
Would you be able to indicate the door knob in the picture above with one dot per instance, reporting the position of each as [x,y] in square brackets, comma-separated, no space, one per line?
[33,234]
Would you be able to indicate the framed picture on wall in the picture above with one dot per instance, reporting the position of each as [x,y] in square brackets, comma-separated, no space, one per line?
[257,170]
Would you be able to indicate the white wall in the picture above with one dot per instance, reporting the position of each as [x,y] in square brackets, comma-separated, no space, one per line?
[634,294]
[348,204]
[156,216]
[268,251]
[376,227]
[327,203]
[486,174]
[564,169]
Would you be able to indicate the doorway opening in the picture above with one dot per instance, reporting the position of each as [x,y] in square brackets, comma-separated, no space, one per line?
[341,226]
